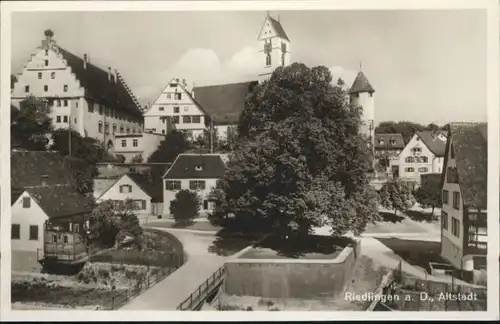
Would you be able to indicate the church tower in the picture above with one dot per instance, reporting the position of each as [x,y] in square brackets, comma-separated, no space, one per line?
[274,46]
[362,94]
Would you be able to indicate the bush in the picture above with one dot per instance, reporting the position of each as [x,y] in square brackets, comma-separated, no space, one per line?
[185,207]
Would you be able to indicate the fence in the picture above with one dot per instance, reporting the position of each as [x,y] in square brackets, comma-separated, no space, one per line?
[121,298]
[197,296]
[406,293]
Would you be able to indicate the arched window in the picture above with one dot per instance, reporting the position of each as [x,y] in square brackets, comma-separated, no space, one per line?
[114,129]
[106,127]
[100,127]
[268,59]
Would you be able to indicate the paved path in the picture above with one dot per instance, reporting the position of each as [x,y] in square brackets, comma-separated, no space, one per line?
[170,292]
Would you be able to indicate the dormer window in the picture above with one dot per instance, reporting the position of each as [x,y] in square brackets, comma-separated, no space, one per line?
[393,142]
[198,168]
[381,142]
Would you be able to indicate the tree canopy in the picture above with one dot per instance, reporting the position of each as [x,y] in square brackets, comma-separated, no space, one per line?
[174,144]
[185,207]
[300,161]
[406,128]
[30,124]
[396,195]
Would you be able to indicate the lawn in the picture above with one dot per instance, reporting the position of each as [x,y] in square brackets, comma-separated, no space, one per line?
[391,223]
[314,247]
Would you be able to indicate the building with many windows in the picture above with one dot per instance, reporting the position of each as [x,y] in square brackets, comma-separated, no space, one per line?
[81,96]
[195,172]
[137,147]
[464,188]
[424,153]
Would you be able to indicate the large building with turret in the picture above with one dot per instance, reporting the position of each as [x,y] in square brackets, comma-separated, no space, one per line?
[81,96]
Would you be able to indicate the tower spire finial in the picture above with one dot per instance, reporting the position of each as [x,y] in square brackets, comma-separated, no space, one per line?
[360,65]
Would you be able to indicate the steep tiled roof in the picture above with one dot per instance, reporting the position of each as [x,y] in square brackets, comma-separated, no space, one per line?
[59,201]
[27,168]
[223,103]
[184,167]
[280,32]
[361,84]
[387,141]
[153,187]
[470,143]
[98,86]
[435,145]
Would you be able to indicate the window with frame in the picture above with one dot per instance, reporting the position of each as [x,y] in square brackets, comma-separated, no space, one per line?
[424,159]
[46,62]
[53,75]
[65,101]
[46,52]
[196,119]
[393,142]
[409,159]
[27,88]
[172,185]
[125,189]
[39,75]
[178,96]
[423,169]
[451,175]
[77,228]
[161,109]
[114,129]
[121,129]
[381,142]
[15,232]
[456,200]
[58,119]
[101,110]
[99,126]
[45,88]
[124,143]
[65,88]
[186,119]
[65,119]
[128,130]
[106,127]
[410,170]
[197,184]
[135,143]
[455,227]
[91,107]
[268,59]
[446,195]
[33,232]
[176,120]
[444,219]
[176,110]
[26,202]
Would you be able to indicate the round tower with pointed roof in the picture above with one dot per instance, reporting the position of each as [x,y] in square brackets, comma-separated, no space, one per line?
[362,94]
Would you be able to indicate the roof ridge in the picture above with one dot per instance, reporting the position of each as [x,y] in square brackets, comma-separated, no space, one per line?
[120,78]
[225,84]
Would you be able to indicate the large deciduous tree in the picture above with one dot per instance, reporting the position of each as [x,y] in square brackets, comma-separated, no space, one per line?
[299,161]
[174,144]
[429,195]
[31,124]
[396,195]
[185,207]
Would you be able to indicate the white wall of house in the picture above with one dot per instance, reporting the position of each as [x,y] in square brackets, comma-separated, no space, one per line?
[267,34]
[452,244]
[25,217]
[136,193]
[168,104]
[169,195]
[71,109]
[144,144]
[412,170]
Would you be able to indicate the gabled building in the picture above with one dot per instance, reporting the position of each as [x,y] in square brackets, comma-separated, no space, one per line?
[464,185]
[387,148]
[137,146]
[424,153]
[48,213]
[175,108]
[81,96]
[195,172]
[144,192]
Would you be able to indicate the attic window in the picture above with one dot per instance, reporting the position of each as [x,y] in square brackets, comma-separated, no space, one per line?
[393,142]
[173,85]
[381,142]
[198,168]
[161,108]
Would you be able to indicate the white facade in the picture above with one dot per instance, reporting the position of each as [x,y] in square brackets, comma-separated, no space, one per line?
[452,235]
[125,188]
[133,145]
[416,159]
[274,47]
[48,75]
[28,217]
[184,184]
[175,102]
[367,101]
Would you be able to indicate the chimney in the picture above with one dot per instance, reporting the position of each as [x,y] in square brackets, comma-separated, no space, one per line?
[192,90]
[109,73]
[44,180]
[85,61]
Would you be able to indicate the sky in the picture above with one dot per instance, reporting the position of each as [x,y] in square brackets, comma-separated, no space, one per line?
[425,65]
